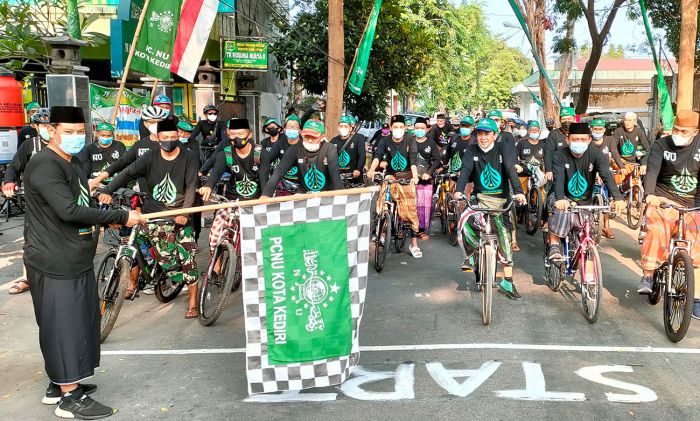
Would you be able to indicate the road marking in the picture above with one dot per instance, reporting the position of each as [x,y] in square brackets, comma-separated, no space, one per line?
[432,347]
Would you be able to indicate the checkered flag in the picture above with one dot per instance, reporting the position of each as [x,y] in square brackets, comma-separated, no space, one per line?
[304,268]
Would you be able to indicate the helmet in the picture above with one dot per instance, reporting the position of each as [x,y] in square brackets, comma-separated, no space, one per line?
[42,116]
[162,99]
[210,108]
[153,113]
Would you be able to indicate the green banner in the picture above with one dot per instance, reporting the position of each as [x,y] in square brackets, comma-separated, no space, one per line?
[247,55]
[72,19]
[154,48]
[101,97]
[359,68]
[538,60]
[102,103]
[667,116]
[307,291]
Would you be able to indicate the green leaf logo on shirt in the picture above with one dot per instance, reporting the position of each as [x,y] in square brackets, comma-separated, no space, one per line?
[684,183]
[84,198]
[490,178]
[344,159]
[398,162]
[165,191]
[292,173]
[246,187]
[627,148]
[314,179]
[456,163]
[577,185]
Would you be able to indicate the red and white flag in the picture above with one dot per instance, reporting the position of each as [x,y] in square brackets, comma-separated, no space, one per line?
[196,21]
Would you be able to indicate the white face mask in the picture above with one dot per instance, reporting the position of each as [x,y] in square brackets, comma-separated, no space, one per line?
[679,140]
[152,127]
[597,136]
[487,148]
[398,133]
[211,117]
[344,131]
[523,133]
[311,147]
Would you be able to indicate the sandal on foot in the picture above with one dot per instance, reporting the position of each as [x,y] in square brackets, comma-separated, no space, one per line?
[130,293]
[192,313]
[516,247]
[415,252]
[17,288]
[423,236]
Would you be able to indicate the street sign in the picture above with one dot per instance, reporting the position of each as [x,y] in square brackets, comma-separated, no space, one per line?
[245,55]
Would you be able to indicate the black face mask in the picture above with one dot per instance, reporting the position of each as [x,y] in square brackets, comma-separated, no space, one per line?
[239,142]
[272,131]
[169,145]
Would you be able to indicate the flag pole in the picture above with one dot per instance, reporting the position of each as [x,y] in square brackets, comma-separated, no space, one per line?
[128,62]
[262,201]
[153,89]
[357,49]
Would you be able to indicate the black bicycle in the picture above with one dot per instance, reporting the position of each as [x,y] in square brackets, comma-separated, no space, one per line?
[389,226]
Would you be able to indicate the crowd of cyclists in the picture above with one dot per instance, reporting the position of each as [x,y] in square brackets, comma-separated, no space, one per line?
[475,162]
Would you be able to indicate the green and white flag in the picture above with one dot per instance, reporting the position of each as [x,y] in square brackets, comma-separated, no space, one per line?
[304,268]
[154,49]
[359,68]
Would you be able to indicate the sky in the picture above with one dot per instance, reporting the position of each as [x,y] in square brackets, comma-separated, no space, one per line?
[623,31]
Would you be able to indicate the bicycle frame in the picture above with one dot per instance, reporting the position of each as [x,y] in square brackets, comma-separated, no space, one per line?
[573,263]
[235,235]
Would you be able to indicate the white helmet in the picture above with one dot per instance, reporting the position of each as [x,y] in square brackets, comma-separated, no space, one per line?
[153,113]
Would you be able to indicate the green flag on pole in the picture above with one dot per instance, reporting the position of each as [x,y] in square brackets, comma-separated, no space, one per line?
[72,19]
[664,97]
[538,60]
[154,48]
[359,68]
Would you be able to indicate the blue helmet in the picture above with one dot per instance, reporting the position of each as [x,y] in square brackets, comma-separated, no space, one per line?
[162,99]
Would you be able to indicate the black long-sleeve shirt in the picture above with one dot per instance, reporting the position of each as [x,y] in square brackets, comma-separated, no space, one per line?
[489,171]
[352,158]
[526,151]
[19,162]
[672,171]
[99,159]
[138,149]
[453,153]
[317,171]
[427,157]
[26,133]
[267,143]
[243,183]
[608,146]
[556,140]
[170,184]
[574,178]
[272,159]
[441,135]
[629,143]
[212,133]
[399,155]
[59,220]
[209,163]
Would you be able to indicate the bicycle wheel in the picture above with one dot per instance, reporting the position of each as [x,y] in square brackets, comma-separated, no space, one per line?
[488,276]
[111,290]
[678,300]
[596,222]
[381,248]
[452,224]
[166,290]
[591,285]
[635,208]
[215,287]
[534,211]
[657,286]
[444,213]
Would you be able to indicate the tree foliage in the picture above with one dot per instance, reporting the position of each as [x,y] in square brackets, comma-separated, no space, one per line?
[666,15]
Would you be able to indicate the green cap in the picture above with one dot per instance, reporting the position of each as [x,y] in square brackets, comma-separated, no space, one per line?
[495,113]
[533,123]
[410,121]
[270,121]
[313,127]
[597,122]
[487,125]
[185,126]
[346,119]
[105,126]
[468,120]
[567,112]
[294,117]
[32,105]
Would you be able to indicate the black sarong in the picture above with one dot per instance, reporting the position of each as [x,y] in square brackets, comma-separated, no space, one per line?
[67,312]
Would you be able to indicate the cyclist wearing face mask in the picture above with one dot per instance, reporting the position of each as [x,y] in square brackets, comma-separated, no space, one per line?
[316,162]
[270,158]
[439,133]
[672,176]
[504,136]
[164,103]
[521,133]
[529,149]
[556,139]
[608,146]
[632,141]
[212,129]
[575,171]
[454,152]
[427,162]
[29,131]
[351,149]
[104,151]
[274,132]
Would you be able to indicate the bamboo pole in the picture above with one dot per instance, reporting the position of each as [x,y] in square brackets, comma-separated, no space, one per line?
[262,201]
[128,62]
[357,49]
[153,89]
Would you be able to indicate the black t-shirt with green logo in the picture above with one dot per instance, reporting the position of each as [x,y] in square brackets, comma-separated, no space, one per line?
[398,155]
[269,160]
[527,151]
[489,171]
[59,220]
[427,158]
[608,146]
[317,171]
[672,171]
[453,153]
[352,158]
[169,184]
[574,178]
[243,183]
[628,143]
[101,158]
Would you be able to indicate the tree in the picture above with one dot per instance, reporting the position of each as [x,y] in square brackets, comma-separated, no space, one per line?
[400,53]
[615,51]
[565,46]
[665,14]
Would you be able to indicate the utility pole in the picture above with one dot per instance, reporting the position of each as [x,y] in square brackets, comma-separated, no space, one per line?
[336,67]
[686,59]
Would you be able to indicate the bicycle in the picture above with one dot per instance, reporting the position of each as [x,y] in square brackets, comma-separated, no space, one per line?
[347,181]
[601,197]
[675,280]
[217,285]
[485,265]
[634,190]
[449,212]
[535,197]
[580,252]
[114,272]
[388,224]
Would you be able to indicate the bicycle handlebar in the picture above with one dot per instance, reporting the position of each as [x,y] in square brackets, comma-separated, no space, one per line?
[488,210]
[678,208]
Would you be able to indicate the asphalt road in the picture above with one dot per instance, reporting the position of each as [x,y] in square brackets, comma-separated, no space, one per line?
[426,353]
